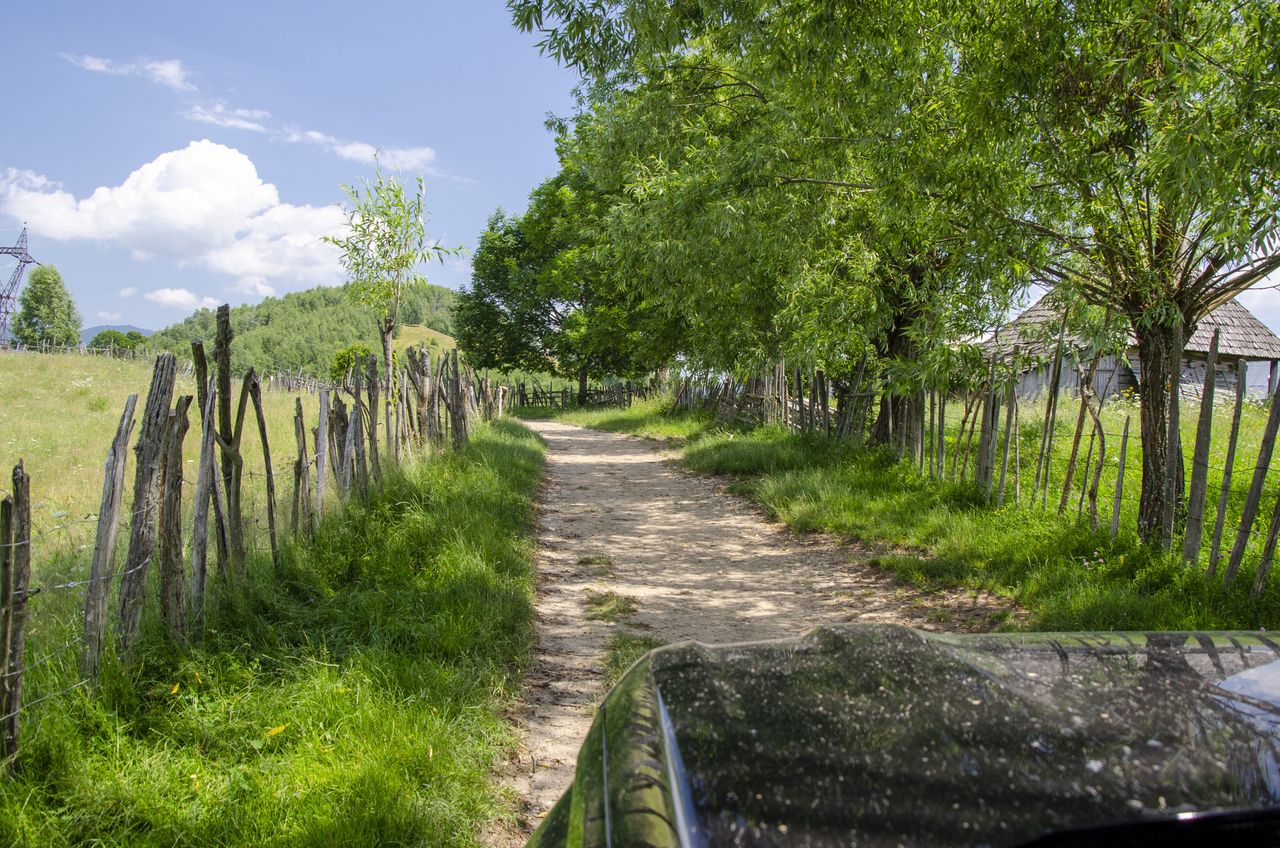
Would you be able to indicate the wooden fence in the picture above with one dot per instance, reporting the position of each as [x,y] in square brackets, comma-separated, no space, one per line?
[351,437]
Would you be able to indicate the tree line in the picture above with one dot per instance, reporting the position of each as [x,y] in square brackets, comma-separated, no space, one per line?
[869,188]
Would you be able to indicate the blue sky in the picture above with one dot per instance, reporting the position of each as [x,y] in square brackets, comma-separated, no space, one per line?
[172,155]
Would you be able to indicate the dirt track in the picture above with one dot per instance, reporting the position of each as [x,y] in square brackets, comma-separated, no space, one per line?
[698,563]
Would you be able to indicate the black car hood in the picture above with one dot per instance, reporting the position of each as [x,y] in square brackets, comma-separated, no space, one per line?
[881,735]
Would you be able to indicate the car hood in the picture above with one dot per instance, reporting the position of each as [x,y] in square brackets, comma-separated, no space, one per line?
[882,735]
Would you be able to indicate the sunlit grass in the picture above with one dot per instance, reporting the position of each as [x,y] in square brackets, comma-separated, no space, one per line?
[356,698]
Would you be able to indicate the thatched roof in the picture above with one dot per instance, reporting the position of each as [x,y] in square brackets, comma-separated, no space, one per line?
[1241,335]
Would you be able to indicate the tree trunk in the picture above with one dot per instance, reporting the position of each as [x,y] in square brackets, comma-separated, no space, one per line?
[582,386]
[1161,478]
[901,416]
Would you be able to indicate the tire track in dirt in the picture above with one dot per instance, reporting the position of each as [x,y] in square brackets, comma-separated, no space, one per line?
[698,562]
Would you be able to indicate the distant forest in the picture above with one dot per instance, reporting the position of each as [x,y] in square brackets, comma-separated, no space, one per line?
[303,330]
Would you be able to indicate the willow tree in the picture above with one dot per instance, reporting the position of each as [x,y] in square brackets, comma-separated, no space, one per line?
[1149,133]
[383,250]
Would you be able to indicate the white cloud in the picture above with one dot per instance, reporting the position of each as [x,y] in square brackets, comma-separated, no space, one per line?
[113,317]
[184,299]
[167,72]
[252,286]
[128,291]
[396,158]
[204,204]
[221,115]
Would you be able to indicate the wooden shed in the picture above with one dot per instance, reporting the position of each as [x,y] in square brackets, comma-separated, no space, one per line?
[1242,338]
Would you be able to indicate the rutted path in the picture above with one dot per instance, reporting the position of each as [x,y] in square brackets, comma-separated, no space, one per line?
[698,562]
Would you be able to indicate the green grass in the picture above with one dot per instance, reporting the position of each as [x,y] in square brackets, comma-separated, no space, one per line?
[609,606]
[623,650]
[355,699]
[1068,576]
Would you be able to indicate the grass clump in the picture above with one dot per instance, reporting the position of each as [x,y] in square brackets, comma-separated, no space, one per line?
[609,606]
[623,650]
[354,699]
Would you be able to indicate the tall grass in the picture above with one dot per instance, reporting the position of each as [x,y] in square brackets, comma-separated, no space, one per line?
[354,699]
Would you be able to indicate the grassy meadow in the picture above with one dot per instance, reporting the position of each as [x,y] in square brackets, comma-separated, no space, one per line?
[944,533]
[357,697]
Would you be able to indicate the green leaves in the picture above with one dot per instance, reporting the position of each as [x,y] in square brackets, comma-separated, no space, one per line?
[386,242]
[46,313]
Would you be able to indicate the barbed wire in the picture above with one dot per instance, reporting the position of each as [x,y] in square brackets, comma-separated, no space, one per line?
[22,708]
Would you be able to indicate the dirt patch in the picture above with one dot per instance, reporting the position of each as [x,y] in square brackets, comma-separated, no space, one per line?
[618,520]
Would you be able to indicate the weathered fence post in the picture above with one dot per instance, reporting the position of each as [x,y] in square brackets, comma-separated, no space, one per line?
[1086,389]
[371,384]
[146,500]
[1011,401]
[206,476]
[1124,450]
[302,470]
[173,583]
[102,569]
[1268,553]
[17,579]
[1255,490]
[322,446]
[1200,458]
[1044,459]
[255,394]
[228,438]
[1215,547]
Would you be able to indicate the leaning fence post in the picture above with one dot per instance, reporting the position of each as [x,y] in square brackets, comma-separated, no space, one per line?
[146,500]
[1215,547]
[1255,490]
[1200,458]
[1268,553]
[102,568]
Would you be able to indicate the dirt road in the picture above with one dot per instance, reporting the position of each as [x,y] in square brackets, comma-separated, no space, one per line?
[621,527]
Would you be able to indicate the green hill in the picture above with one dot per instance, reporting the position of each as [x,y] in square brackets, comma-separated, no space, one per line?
[304,329]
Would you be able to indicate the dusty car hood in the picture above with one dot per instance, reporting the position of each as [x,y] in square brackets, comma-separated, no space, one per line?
[881,735]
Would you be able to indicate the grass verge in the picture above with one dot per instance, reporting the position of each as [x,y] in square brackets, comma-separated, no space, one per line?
[354,699]
[1068,576]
